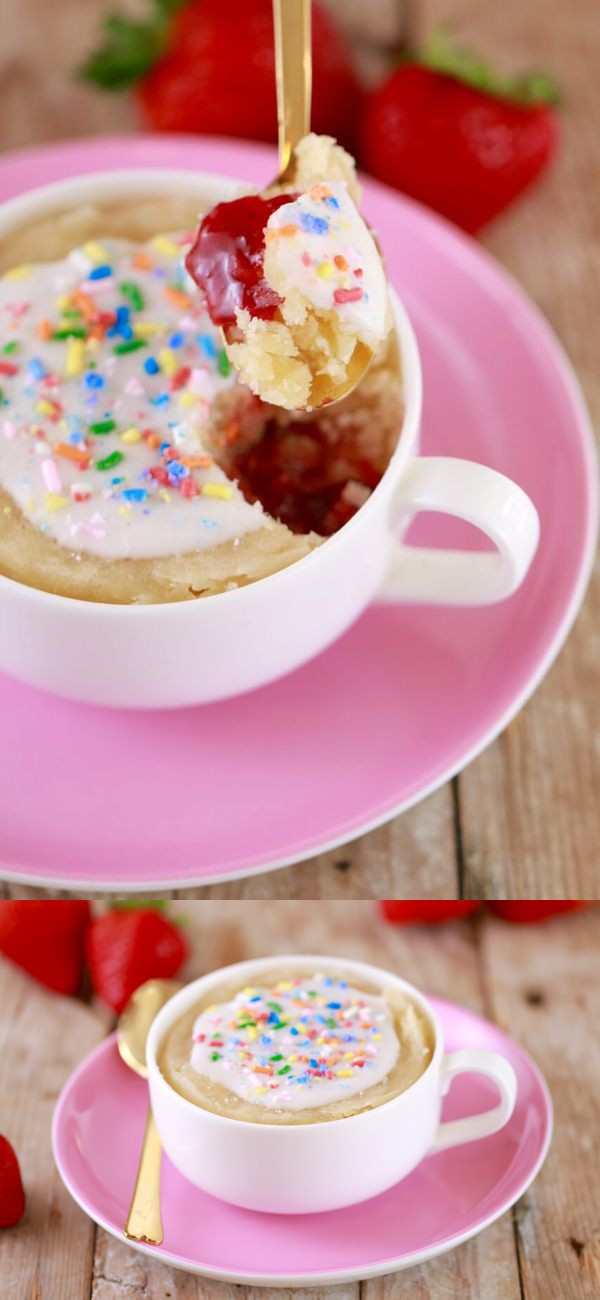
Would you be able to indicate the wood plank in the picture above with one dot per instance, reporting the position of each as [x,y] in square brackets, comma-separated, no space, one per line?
[529,805]
[42,1038]
[544,987]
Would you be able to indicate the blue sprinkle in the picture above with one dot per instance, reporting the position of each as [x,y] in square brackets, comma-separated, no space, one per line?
[135,494]
[100,273]
[164,446]
[116,481]
[93,380]
[162,400]
[258,998]
[265,1038]
[313,225]
[177,471]
[36,368]
[208,346]
[332,201]
[334,1006]
[302,1078]
[321,1019]
[151,366]
[294,1032]
[176,341]
[313,1063]
[328,982]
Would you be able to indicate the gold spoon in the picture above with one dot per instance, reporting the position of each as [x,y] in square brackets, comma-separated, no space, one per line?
[144,1222]
[293,72]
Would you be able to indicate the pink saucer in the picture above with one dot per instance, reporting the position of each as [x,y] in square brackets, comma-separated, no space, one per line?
[402,701]
[97,1133]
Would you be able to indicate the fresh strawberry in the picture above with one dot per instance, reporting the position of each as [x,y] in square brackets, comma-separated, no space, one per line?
[422,912]
[208,67]
[444,129]
[12,1196]
[127,947]
[47,939]
[531,913]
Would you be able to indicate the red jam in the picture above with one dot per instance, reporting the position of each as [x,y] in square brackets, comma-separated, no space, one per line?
[226,260]
[305,480]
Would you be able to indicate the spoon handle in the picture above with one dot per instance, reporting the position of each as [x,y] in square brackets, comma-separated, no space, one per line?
[293,68]
[143,1222]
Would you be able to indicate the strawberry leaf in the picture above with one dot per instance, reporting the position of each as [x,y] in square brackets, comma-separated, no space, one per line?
[462,63]
[130,47]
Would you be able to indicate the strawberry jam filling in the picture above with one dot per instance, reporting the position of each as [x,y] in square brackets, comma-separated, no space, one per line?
[304,479]
[226,260]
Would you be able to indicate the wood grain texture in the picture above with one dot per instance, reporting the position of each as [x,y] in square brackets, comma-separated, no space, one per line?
[539,982]
[529,812]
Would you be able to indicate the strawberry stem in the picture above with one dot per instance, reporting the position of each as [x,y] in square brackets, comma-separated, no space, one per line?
[462,63]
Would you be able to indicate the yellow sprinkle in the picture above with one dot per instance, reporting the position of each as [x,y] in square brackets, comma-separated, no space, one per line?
[166,246]
[143,327]
[95,252]
[165,496]
[259,1090]
[219,490]
[286,986]
[44,408]
[377,1036]
[17,272]
[248,991]
[291,1059]
[168,362]
[187,398]
[124,511]
[53,502]
[325,270]
[131,435]
[344,1074]
[320,1040]
[63,302]
[348,1056]
[251,1034]
[75,361]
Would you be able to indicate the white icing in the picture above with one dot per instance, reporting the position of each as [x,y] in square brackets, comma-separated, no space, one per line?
[234,1039]
[45,484]
[320,225]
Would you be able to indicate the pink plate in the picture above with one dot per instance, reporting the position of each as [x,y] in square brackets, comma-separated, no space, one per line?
[97,1134]
[403,700]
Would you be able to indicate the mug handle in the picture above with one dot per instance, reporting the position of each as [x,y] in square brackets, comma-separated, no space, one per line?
[478,1061]
[483,497]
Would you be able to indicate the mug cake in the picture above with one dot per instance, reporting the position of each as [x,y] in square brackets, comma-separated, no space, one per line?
[298,1049]
[135,465]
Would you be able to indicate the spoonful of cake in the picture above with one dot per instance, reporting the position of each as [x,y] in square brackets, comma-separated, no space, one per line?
[292,275]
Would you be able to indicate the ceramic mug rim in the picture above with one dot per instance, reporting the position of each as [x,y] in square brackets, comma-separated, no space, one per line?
[168,1015]
[144,181]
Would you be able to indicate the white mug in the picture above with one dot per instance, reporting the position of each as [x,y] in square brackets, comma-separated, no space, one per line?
[194,652]
[304,1168]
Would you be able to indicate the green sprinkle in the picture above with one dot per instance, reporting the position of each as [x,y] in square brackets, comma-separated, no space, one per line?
[223,363]
[103,426]
[133,294]
[330,1023]
[277,1057]
[1,397]
[246,1024]
[10,347]
[285,1069]
[71,313]
[214,1056]
[109,462]
[70,332]
[275,1006]
[131,345]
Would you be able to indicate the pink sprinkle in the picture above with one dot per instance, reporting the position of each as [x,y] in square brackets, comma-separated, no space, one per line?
[9,429]
[306,258]
[134,387]
[51,475]
[347,295]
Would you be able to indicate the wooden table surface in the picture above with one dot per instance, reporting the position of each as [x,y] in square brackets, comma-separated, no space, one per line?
[524,818]
[541,983]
